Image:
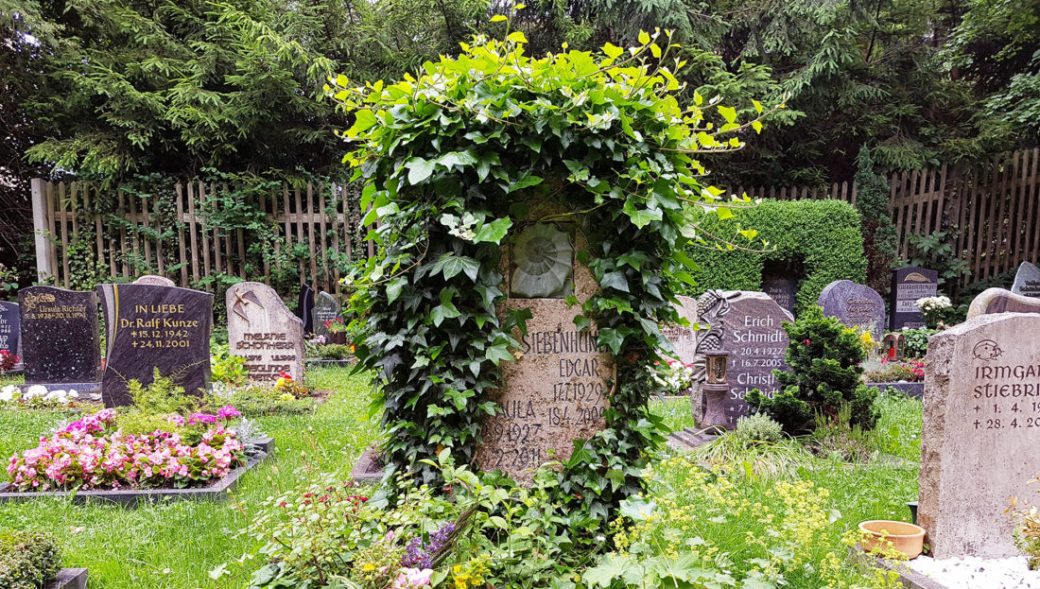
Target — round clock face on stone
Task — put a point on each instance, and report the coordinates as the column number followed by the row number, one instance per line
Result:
column 543, row 257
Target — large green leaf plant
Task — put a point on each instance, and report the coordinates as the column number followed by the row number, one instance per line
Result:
column 451, row 159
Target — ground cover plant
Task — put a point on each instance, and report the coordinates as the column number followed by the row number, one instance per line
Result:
column 28, row 560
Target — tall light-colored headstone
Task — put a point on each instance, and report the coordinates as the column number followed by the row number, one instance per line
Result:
column 684, row 337
column 155, row 280
column 998, row 300
column 981, row 431
column 265, row 332
column 557, row 390
column 1027, row 280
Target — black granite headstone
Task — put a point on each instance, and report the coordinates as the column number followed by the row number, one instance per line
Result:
column 908, row 285
column 305, row 306
column 781, row 289
column 10, row 330
column 59, row 333
column 152, row 327
column 326, row 308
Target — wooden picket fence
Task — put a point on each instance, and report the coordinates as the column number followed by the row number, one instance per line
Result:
column 992, row 207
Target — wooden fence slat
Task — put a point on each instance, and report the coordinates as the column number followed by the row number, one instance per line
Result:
column 323, row 241
column 52, row 208
column 1014, row 213
column 160, row 263
column 200, row 192
column 74, row 207
column 146, row 218
column 181, row 223
column 242, row 240
column 63, row 227
column 98, row 237
column 299, row 230
column 310, row 234
column 1033, row 190
column 334, row 194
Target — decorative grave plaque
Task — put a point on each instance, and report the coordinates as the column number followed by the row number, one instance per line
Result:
column 998, row 300
column 908, row 285
column 981, row 430
column 155, row 327
column 326, row 308
column 59, row 334
column 781, row 289
column 265, row 332
column 1027, row 280
column 304, row 306
column 10, row 328
column 155, row 280
column 557, row 390
column 751, row 332
column 854, row 305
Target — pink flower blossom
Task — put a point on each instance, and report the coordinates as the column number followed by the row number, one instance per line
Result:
column 228, row 412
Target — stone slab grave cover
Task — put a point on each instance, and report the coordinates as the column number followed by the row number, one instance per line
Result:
column 304, row 306
column 781, row 289
column 855, row 305
column 981, row 431
column 10, row 328
column 265, row 332
column 909, row 284
column 326, row 308
column 59, row 333
column 998, row 300
column 1027, row 280
column 155, row 280
column 153, row 327
column 557, row 390
column 749, row 327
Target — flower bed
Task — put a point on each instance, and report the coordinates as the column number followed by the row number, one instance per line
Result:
column 38, row 396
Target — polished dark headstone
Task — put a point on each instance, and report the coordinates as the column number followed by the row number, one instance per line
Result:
column 305, row 306
column 854, row 305
column 152, row 327
column 781, row 289
column 10, row 327
column 326, row 308
column 1027, row 280
column 59, row 333
column 908, row 285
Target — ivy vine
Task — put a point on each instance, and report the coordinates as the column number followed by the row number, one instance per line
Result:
column 450, row 161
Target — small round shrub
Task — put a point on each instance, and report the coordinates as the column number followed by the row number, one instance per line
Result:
column 759, row 427
column 28, row 560
column 917, row 342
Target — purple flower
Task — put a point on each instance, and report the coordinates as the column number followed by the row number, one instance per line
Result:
column 201, row 418
column 421, row 556
column 228, row 412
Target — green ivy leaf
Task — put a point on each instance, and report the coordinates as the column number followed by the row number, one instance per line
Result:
column 494, row 231
column 497, row 353
column 394, row 288
column 611, row 338
column 419, row 170
column 615, row 280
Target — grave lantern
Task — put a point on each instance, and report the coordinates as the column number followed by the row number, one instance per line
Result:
column 715, row 390
column 716, row 363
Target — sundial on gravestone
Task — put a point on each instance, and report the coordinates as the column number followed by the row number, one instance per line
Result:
column 543, row 259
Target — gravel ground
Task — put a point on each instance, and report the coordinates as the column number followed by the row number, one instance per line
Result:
column 978, row 573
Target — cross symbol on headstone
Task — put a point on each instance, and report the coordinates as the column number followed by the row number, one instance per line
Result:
column 977, row 422
column 977, row 408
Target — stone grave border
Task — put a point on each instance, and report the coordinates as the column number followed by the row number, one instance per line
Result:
column 910, row 389
column 328, row 362
column 69, row 579
column 215, row 491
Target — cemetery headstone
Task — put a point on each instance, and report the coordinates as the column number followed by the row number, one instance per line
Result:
column 59, row 333
column 155, row 327
column 265, row 332
column 155, row 280
column 557, row 390
column 781, row 289
column 304, row 306
column 981, row 408
column 1027, row 280
column 10, row 328
column 998, row 300
column 908, row 285
column 684, row 337
column 751, row 331
column 326, row 308
column 854, row 305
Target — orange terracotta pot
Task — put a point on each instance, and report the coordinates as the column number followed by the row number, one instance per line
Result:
column 880, row 534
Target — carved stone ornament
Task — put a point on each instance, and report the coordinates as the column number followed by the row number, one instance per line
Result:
column 543, row 257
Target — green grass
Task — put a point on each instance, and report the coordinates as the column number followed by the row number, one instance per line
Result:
column 677, row 412
column 175, row 545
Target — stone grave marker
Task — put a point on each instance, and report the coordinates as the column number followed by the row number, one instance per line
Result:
column 998, row 300
column 153, row 327
column 749, row 328
column 781, row 289
column 10, row 328
column 981, row 418
column 304, row 306
column 326, row 308
column 265, row 332
column 909, row 284
column 59, row 336
column 1027, row 280
column 557, row 389
column 855, row 305
column 682, row 337
column 155, row 280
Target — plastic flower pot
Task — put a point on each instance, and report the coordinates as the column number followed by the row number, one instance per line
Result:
column 880, row 535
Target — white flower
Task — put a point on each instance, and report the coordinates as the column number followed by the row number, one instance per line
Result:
column 462, row 228
column 8, row 393
column 35, row 391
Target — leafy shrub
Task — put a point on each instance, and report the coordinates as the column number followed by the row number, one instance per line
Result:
column 759, row 427
column 823, row 236
column 28, row 560
column 937, row 250
column 824, row 358
column 334, row 351
column 228, row 369
column 259, row 400
column 917, row 342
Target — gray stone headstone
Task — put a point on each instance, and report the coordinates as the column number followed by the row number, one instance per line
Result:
column 854, row 305
column 981, row 414
column 151, row 327
column 326, row 308
column 908, row 285
column 155, row 280
column 781, row 289
column 998, row 300
column 751, row 331
column 59, row 335
column 1027, row 280
column 684, row 337
column 10, row 328
column 265, row 332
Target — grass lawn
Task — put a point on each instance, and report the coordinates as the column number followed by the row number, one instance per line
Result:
column 175, row 545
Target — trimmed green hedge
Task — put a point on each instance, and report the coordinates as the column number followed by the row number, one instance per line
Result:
column 822, row 235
